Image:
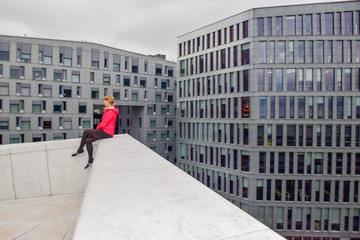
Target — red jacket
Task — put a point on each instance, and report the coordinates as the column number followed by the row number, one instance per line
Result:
column 108, row 120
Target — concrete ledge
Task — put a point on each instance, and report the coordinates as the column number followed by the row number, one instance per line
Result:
column 133, row 193
column 41, row 169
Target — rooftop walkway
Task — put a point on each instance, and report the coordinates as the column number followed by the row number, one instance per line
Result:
column 131, row 193
column 42, row 218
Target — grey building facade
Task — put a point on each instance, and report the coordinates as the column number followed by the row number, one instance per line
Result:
column 54, row 89
column 269, row 109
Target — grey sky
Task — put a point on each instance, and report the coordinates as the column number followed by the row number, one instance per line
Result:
column 142, row 26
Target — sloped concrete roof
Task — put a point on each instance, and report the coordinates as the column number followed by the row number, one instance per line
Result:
column 133, row 193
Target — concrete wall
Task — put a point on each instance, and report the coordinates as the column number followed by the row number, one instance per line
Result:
column 42, row 169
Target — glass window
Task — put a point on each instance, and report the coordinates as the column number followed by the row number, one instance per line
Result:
column 245, row 28
column 357, row 52
column 329, row 79
column 318, row 79
column 36, row 108
column 260, row 136
column 245, row 54
column 4, row 55
column 308, row 24
column 291, row 135
column 272, row 106
column 126, row 81
column 269, row 25
column 292, row 106
column 272, row 52
column 279, row 135
column 301, row 107
column 335, row 223
column 75, row 78
column 348, row 23
column 311, row 107
column 329, row 23
column 245, row 161
column 339, row 51
column 291, row 79
column 282, row 107
column 290, row 25
column 279, row 26
column 300, row 24
column 291, row 52
column 261, row 80
column 340, row 107
column 116, row 67
column 338, row 24
column 347, row 79
column 14, row 108
column 14, row 72
column 309, row 79
column 320, row 52
column 262, row 52
column 320, row 101
column 279, row 80
column 328, row 135
column 318, row 24
column 358, row 107
column 300, row 163
column 25, row 125
column 310, row 55
column 347, row 136
column 142, row 82
column 68, row 62
column 281, row 51
column 301, row 52
column 95, row 94
column 329, row 52
column 263, row 107
column 260, row 26
column 269, row 79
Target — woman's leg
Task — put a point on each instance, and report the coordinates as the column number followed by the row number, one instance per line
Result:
column 89, row 133
column 89, row 147
column 95, row 135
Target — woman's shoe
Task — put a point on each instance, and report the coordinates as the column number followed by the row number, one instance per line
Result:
column 77, row 154
column 87, row 165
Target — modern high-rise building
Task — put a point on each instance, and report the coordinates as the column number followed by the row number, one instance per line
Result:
column 54, row 89
column 269, row 110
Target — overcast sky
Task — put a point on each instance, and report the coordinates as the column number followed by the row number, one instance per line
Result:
column 141, row 26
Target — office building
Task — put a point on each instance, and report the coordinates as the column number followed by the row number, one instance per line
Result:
column 54, row 89
column 269, row 110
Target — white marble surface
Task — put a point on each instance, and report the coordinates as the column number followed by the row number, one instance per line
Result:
column 42, row 169
column 30, row 174
column 6, row 180
column 133, row 193
column 41, row 218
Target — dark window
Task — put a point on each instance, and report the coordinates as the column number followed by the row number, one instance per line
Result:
column 279, row 135
column 4, row 56
column 158, row 71
column 245, row 54
column 245, row 162
column 82, row 108
column 291, row 135
column 245, row 29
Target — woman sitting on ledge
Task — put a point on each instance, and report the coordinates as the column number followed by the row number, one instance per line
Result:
column 105, row 129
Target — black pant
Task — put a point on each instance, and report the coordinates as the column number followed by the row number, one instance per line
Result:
column 89, row 136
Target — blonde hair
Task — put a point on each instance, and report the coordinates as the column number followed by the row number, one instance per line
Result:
column 110, row 99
